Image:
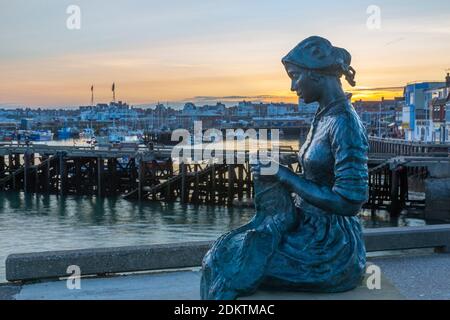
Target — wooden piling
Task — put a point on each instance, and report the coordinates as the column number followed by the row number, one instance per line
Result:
column 26, row 165
column 2, row 166
column 183, row 182
column 140, row 177
column 240, row 180
column 62, row 175
column 231, row 180
column 394, row 186
column 99, row 176
column 78, row 176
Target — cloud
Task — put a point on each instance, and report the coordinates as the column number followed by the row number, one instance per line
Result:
column 377, row 89
column 246, row 97
column 9, row 105
column 395, row 41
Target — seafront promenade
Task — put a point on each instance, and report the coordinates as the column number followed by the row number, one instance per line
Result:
column 414, row 263
column 421, row 275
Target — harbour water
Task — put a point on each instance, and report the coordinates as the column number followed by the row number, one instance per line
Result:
column 31, row 223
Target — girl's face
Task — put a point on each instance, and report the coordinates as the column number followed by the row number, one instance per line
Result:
column 302, row 83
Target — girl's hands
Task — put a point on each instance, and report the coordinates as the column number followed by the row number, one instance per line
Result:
column 258, row 174
column 280, row 174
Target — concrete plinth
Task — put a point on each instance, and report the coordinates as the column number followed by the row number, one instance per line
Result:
column 437, row 199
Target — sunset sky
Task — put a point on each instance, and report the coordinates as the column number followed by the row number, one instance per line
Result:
column 203, row 51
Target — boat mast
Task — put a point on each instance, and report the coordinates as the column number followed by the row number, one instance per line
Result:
column 92, row 105
column 114, row 91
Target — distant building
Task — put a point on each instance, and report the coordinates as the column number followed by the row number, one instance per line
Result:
column 281, row 109
column 437, row 100
column 210, row 115
column 26, row 124
column 417, row 121
column 306, row 111
column 104, row 112
column 189, row 109
column 382, row 118
column 213, row 110
column 248, row 109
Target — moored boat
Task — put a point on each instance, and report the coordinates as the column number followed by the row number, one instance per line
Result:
column 67, row 133
column 34, row 135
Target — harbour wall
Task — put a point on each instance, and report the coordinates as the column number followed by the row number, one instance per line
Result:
column 106, row 261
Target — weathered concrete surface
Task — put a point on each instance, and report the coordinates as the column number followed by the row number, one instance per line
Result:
column 387, row 292
column 437, row 199
column 7, row 292
column 439, row 170
column 420, row 277
column 104, row 260
column 411, row 276
column 180, row 285
column 395, row 238
column 144, row 258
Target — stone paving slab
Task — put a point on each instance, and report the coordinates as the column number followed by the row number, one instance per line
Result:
column 7, row 292
column 180, row 285
column 387, row 292
column 419, row 277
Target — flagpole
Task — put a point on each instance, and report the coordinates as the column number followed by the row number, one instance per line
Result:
column 114, row 92
column 92, row 95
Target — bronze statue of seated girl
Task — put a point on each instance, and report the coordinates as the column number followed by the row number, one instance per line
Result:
column 305, row 235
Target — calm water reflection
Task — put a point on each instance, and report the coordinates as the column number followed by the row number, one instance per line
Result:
column 31, row 223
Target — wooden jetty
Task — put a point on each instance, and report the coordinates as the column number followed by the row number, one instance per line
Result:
column 71, row 170
column 395, row 165
column 144, row 173
column 139, row 173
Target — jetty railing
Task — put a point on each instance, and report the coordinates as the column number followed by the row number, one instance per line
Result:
column 399, row 147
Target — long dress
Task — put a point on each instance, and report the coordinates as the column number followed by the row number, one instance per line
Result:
column 324, row 251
